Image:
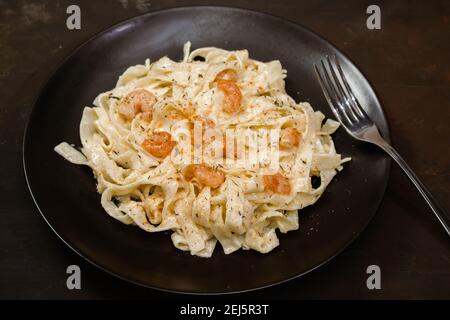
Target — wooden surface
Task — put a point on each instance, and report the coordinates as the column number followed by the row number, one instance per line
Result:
column 407, row 62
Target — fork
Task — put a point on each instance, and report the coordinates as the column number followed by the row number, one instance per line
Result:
column 358, row 124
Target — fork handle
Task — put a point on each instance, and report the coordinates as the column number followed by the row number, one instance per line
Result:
column 441, row 214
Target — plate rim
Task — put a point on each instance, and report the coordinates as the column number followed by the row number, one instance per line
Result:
column 51, row 75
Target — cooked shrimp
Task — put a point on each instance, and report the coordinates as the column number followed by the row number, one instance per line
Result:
column 160, row 144
column 277, row 183
column 136, row 101
column 232, row 96
column 205, row 175
column 227, row 74
column 289, row 138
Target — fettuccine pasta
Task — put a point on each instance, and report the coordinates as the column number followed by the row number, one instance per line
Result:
column 139, row 140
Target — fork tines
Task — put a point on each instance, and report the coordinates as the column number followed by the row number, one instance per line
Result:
column 338, row 93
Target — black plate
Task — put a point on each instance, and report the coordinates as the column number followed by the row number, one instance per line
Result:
column 66, row 196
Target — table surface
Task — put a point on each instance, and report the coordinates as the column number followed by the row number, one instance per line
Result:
column 407, row 64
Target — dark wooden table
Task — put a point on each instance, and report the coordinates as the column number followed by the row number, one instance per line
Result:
column 407, row 62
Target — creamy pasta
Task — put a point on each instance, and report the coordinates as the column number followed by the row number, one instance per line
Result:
column 140, row 141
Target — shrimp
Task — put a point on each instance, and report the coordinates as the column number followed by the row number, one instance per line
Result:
column 232, row 96
column 277, row 183
column 290, row 138
column 136, row 101
column 227, row 74
column 160, row 144
column 205, row 175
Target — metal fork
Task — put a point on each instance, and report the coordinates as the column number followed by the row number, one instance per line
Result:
column 358, row 124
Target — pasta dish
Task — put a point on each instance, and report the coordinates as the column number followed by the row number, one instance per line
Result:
column 210, row 147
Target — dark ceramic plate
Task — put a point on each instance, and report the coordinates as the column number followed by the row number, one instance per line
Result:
column 66, row 196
